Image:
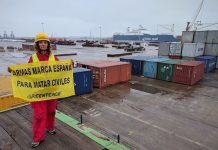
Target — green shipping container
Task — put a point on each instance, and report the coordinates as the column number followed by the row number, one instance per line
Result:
column 166, row 69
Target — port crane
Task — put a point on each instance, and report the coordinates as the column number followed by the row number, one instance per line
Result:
column 198, row 25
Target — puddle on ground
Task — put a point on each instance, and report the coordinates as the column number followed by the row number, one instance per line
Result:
column 148, row 89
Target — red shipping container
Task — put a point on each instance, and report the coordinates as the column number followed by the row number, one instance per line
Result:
column 106, row 73
column 188, row 72
column 175, row 56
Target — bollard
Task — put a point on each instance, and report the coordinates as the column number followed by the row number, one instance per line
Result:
column 81, row 119
column 118, row 138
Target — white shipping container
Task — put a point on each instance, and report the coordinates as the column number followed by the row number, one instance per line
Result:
column 193, row 49
column 164, row 49
column 175, row 48
column 187, row 36
column 212, row 37
column 200, row 37
column 211, row 49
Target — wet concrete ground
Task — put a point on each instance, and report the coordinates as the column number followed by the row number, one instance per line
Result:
column 147, row 113
column 153, row 114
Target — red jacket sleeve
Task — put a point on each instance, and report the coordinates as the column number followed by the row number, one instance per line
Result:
column 30, row 59
column 56, row 58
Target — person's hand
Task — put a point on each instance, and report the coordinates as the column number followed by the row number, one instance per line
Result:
column 72, row 62
column 9, row 69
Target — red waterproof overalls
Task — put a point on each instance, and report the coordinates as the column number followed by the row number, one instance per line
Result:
column 44, row 111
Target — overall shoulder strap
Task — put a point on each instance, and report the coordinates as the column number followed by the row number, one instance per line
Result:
column 35, row 57
column 51, row 57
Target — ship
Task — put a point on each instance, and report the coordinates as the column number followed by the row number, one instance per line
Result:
column 139, row 35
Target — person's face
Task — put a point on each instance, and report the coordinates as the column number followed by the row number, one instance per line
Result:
column 43, row 45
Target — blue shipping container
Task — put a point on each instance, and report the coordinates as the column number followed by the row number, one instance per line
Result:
column 210, row 62
column 137, row 63
column 82, row 81
column 150, row 67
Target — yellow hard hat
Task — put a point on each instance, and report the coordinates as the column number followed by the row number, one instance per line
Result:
column 41, row 37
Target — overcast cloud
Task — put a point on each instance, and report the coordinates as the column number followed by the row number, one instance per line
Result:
column 80, row 17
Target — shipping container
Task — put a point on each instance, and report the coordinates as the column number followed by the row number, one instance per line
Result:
column 82, row 81
column 193, row 49
column 106, row 73
column 210, row 62
column 166, row 69
column 211, row 49
column 164, row 49
column 212, row 37
column 187, row 36
column 216, row 62
column 200, row 37
column 150, row 67
column 7, row 100
column 188, row 58
column 137, row 63
column 188, row 72
column 175, row 49
column 175, row 57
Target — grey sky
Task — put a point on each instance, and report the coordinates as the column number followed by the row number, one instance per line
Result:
column 79, row 17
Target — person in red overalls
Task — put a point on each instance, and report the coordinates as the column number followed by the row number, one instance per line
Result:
column 44, row 111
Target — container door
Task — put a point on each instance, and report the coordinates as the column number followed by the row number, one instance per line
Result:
column 77, row 83
column 161, row 71
column 150, row 69
column 125, row 74
column 136, row 67
column 169, row 72
column 103, row 77
column 112, row 75
column 87, row 81
column 96, row 76
column 212, row 64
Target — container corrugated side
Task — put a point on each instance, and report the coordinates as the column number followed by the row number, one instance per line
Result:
column 164, row 48
column 166, row 69
column 82, row 81
column 200, row 36
column 210, row 62
column 108, row 73
column 189, row 72
column 193, row 49
column 216, row 62
column 137, row 63
column 211, row 49
column 212, row 37
column 150, row 67
column 187, row 36
column 175, row 49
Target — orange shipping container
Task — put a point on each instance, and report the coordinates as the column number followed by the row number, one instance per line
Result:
column 7, row 101
column 106, row 73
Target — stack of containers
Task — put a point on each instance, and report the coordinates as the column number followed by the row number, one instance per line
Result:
column 192, row 50
column 166, row 69
column 211, row 47
column 210, row 62
column 188, row 72
column 150, row 67
column 82, row 81
column 164, row 49
column 137, row 63
column 106, row 73
column 175, row 50
column 171, row 49
column 206, row 41
column 193, row 44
